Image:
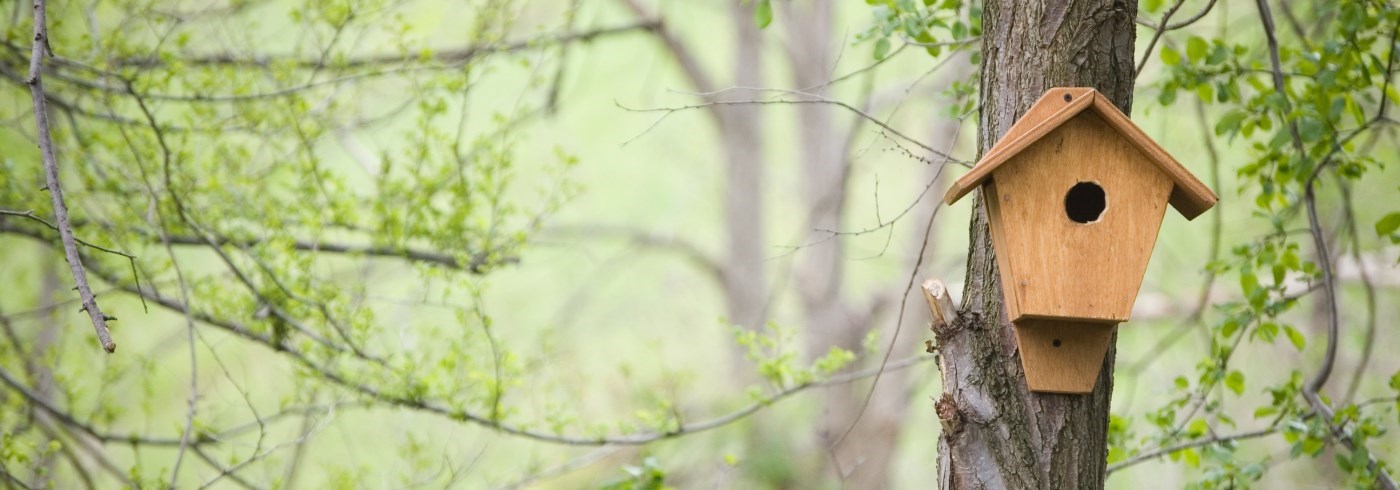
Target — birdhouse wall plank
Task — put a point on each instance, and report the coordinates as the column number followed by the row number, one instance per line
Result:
column 998, row 232
column 1062, row 356
column 1054, row 267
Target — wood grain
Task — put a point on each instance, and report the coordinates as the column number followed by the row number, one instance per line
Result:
column 1062, row 356
column 1189, row 196
column 1056, row 268
column 940, row 304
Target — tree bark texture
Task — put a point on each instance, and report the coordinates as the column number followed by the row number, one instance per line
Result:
column 997, row 434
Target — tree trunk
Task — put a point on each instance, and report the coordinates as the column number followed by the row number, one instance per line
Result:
column 740, row 127
column 997, row 434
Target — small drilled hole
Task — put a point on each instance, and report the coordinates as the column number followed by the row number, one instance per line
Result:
column 1068, row 98
column 1085, row 202
column 1056, row 342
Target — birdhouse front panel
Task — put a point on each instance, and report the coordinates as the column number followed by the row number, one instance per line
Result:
column 1075, row 217
column 1075, row 194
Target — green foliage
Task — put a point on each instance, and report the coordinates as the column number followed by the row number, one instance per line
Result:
column 1334, row 91
column 775, row 352
column 1389, row 227
column 647, row 476
column 762, row 13
column 930, row 24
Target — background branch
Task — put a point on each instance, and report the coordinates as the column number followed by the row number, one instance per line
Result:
column 51, row 177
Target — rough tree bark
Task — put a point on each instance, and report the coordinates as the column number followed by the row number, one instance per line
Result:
column 996, row 434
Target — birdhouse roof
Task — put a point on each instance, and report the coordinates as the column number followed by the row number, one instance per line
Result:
column 1189, row 196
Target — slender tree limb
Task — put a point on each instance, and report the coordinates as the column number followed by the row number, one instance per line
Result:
column 690, row 251
column 954, row 43
column 1156, row 36
column 898, row 325
column 30, row 215
column 1368, row 345
column 65, row 228
column 1312, row 390
column 689, row 64
column 477, row 263
column 667, row 111
column 1179, row 25
column 1205, row 441
column 582, row 461
column 454, row 55
column 68, row 420
column 225, row 471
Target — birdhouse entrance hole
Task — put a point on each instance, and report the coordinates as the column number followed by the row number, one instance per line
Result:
column 1085, row 202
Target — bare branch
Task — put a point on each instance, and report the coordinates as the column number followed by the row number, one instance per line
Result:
column 1146, row 55
column 477, row 263
column 898, row 325
column 456, row 55
column 667, row 111
column 690, row 251
column 954, row 43
column 65, row 228
column 1205, row 441
column 679, row 50
column 51, row 226
column 573, row 464
column 1179, row 25
column 67, row 419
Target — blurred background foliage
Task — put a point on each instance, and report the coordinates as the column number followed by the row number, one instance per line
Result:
column 620, row 244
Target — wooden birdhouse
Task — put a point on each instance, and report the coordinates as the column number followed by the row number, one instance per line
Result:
column 1075, row 194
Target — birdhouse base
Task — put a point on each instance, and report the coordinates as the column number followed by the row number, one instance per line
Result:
column 1062, row 356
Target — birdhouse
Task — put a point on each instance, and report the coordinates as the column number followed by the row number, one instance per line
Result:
column 1075, row 194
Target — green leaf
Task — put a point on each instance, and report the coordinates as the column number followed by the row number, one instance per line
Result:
column 1170, row 56
column 1198, row 427
column 1167, row 96
column 1387, row 225
column 882, row 48
column 1196, row 48
column 1296, row 337
column 1248, row 282
column 1235, row 382
column 1230, row 123
column 1192, row 457
column 763, row 13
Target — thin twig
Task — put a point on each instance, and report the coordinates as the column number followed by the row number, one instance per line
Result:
column 1172, row 27
column 456, row 55
column 1368, row 346
column 1156, row 36
column 821, row 100
column 573, row 464
column 899, row 324
column 65, row 228
column 85, row 243
column 1205, row 441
